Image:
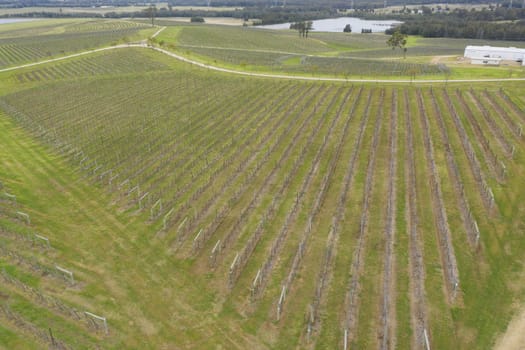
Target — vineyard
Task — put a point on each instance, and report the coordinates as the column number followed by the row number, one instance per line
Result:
column 282, row 52
column 166, row 205
column 109, row 63
column 326, row 54
column 293, row 63
column 26, row 44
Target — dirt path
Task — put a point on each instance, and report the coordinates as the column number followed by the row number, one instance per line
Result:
column 299, row 77
column 514, row 336
column 67, row 57
column 437, row 59
column 158, row 32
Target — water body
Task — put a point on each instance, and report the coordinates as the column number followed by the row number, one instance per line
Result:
column 338, row 24
column 15, row 20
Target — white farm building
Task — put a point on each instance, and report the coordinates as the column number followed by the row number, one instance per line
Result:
column 491, row 54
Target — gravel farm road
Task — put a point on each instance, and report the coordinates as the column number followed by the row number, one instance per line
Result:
column 514, row 336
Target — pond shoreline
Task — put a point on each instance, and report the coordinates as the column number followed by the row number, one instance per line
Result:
column 336, row 25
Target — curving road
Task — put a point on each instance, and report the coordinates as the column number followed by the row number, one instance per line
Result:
column 253, row 74
column 300, row 77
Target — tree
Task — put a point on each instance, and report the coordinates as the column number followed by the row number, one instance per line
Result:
column 397, row 40
column 151, row 12
column 299, row 26
column 308, row 27
column 303, row 27
column 197, row 19
column 348, row 29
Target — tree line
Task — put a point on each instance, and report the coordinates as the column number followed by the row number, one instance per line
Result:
column 496, row 23
column 468, row 30
column 303, row 27
column 266, row 15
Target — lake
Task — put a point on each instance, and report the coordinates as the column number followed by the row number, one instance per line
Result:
column 15, row 20
column 337, row 25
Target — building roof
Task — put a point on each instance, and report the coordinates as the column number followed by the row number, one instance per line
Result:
column 496, row 49
column 486, row 58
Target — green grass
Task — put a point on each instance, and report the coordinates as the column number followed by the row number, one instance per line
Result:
column 10, row 339
column 242, row 38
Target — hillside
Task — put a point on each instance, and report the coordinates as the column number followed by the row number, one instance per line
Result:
column 200, row 209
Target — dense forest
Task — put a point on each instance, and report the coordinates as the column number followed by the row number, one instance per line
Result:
column 495, row 24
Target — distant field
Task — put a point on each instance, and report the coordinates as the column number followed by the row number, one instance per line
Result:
column 102, row 10
column 433, row 47
column 112, row 63
column 208, row 20
column 325, row 54
column 198, row 209
column 469, row 7
column 31, row 41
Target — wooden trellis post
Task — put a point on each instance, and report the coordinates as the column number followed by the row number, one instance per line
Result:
column 166, row 218
column 280, row 303
column 427, row 342
column 25, row 216
column 214, row 252
column 67, row 273
column 10, row 196
column 196, row 242
column 45, row 240
column 158, row 204
column 100, row 318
